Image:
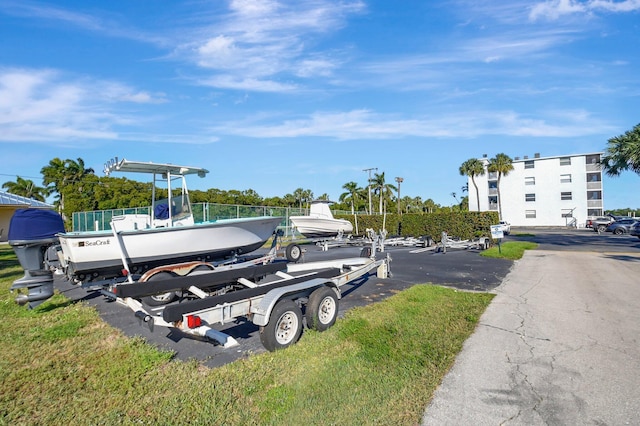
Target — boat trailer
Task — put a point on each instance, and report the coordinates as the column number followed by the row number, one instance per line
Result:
column 278, row 297
column 272, row 294
column 481, row 243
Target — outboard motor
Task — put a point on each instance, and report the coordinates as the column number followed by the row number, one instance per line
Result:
column 31, row 233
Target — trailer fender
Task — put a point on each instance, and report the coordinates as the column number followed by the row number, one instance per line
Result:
column 262, row 312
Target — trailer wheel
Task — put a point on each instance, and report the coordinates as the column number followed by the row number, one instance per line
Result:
column 284, row 327
column 162, row 298
column 322, row 309
column 365, row 252
column 293, row 253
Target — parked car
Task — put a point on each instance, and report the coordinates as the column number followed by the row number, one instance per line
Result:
column 506, row 227
column 599, row 224
column 635, row 229
column 621, row 226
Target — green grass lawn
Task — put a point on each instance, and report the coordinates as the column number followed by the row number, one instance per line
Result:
column 61, row 364
column 512, row 250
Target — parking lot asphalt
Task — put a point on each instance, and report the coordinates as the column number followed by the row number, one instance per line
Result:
column 461, row 269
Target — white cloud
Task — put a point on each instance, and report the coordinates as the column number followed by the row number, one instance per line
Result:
column 248, row 84
column 266, row 41
column 366, row 125
column 554, row 9
column 44, row 105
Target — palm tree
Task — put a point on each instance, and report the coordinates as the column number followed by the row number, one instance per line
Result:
column 623, row 153
column 26, row 188
column 472, row 168
column 351, row 195
column 501, row 164
column 60, row 173
column 303, row 196
column 381, row 188
column 430, row 205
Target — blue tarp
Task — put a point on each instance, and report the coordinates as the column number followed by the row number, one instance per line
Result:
column 161, row 211
column 34, row 224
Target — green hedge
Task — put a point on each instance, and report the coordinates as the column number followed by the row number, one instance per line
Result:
column 465, row 225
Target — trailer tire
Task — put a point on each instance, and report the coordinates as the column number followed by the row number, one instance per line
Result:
column 293, row 253
column 284, row 326
column 322, row 308
column 162, row 298
column 365, row 252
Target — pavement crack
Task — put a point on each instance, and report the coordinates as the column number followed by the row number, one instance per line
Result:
column 515, row 332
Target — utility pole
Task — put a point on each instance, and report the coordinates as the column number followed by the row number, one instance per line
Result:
column 399, row 180
column 369, row 185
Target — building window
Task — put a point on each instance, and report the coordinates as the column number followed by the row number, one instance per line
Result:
column 565, row 161
column 594, row 195
column 530, row 214
column 593, row 159
column 594, row 177
column 529, row 180
column 493, row 203
column 565, row 178
column 529, row 164
column 529, row 197
column 566, row 213
column 566, row 196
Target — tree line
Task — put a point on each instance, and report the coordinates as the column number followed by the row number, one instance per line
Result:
column 76, row 187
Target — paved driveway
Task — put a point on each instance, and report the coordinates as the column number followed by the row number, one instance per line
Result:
column 559, row 343
column 583, row 239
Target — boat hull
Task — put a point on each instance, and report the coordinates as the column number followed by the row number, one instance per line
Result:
column 98, row 255
column 312, row 227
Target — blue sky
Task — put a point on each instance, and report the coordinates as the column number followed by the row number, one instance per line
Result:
column 278, row 95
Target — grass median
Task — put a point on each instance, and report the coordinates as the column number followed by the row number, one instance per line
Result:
column 380, row 364
column 512, row 250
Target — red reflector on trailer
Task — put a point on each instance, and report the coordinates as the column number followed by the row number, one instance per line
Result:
column 125, row 272
column 193, row 321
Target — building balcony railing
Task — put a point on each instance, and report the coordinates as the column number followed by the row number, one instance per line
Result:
column 596, row 167
column 594, row 203
column 493, row 207
column 493, row 191
column 492, row 176
column 594, row 185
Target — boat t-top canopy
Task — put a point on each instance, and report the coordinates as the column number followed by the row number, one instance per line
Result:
column 126, row 166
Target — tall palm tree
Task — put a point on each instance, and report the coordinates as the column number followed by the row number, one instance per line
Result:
column 26, row 188
column 501, row 164
column 303, row 196
column 60, row 173
column 351, row 195
column 472, row 168
column 382, row 188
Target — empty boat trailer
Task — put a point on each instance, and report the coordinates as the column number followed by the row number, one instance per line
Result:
column 273, row 296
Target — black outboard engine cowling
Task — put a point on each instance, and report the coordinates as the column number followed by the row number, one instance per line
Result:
column 31, row 233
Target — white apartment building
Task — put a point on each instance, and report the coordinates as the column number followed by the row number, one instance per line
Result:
column 543, row 191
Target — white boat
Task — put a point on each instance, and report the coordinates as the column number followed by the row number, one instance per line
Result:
column 320, row 222
column 168, row 235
